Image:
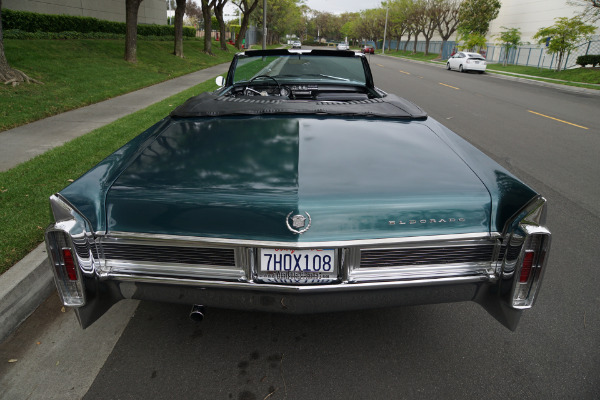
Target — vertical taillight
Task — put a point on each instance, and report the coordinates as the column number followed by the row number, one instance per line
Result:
column 526, row 266
column 65, row 268
column 69, row 264
column 530, row 266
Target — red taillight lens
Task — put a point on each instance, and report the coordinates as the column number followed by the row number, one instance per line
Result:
column 69, row 264
column 527, row 264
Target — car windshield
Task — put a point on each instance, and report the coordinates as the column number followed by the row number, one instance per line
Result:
column 301, row 67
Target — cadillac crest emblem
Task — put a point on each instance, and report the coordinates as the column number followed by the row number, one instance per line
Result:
column 299, row 225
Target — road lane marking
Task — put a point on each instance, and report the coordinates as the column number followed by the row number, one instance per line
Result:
column 556, row 119
column 404, row 72
column 449, row 86
column 380, row 65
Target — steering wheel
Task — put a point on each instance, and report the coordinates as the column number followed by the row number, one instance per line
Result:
column 267, row 76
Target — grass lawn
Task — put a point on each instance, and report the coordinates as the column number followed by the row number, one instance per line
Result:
column 24, row 190
column 583, row 75
column 270, row 46
column 77, row 73
column 409, row 54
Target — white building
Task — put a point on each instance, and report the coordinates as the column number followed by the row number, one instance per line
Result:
column 150, row 11
column 531, row 15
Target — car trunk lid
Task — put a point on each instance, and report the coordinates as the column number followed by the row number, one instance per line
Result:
column 247, row 177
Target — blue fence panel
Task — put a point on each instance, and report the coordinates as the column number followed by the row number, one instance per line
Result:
column 527, row 55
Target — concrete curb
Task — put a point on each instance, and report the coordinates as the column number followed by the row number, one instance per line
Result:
column 23, row 288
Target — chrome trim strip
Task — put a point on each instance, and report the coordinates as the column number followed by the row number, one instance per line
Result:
column 297, row 289
column 173, row 240
column 184, row 270
column 422, row 272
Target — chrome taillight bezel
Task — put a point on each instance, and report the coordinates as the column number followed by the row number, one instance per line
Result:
column 527, row 231
column 69, row 224
column 537, row 240
column 71, row 292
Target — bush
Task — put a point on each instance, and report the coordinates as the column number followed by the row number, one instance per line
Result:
column 22, row 35
column 33, row 22
column 593, row 59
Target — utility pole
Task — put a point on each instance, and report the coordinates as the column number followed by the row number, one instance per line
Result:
column 385, row 29
column 264, row 42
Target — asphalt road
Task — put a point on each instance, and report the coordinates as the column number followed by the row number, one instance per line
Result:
column 439, row 351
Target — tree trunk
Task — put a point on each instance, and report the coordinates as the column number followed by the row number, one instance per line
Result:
column 206, row 6
column 222, row 28
column 416, row 42
column 444, row 41
column 407, row 40
column 179, row 11
column 559, row 62
column 8, row 74
column 131, row 17
column 244, row 26
column 427, row 40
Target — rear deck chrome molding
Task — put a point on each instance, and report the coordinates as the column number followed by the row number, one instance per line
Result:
column 173, row 240
column 270, row 287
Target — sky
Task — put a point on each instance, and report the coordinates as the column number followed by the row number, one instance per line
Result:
column 340, row 6
column 332, row 6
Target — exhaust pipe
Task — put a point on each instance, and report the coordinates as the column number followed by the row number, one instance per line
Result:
column 197, row 313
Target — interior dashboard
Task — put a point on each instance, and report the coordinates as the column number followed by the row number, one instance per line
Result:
column 300, row 92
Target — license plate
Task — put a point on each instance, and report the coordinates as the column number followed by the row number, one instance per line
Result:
column 476, row 62
column 297, row 266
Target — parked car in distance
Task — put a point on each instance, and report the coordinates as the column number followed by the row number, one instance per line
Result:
column 466, row 61
column 296, row 45
column 343, row 46
column 368, row 49
column 298, row 187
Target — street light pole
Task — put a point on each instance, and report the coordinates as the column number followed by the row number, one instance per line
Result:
column 385, row 29
column 264, row 41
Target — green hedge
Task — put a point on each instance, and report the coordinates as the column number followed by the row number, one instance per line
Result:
column 22, row 35
column 34, row 22
column 593, row 59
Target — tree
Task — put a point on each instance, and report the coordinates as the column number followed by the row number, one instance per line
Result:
column 8, row 74
column 591, row 9
column 179, row 12
column 564, row 36
column 194, row 13
column 472, row 41
column 246, row 10
column 207, row 5
column 475, row 16
column 283, row 17
column 425, row 20
column 131, row 17
column 447, row 12
column 510, row 38
column 218, row 8
column 397, row 20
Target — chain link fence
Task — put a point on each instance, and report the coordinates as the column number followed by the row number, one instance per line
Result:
column 528, row 55
column 534, row 56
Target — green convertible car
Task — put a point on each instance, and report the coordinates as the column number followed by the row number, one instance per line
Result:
column 298, row 187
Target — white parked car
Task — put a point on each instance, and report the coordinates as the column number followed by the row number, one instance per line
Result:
column 343, row 46
column 464, row 61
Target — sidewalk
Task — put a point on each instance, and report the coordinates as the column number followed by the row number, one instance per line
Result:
column 27, row 141
column 27, row 284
